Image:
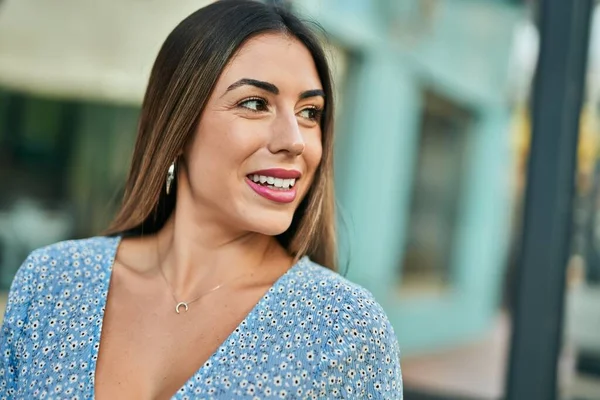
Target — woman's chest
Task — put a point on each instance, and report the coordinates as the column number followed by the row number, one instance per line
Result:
column 149, row 351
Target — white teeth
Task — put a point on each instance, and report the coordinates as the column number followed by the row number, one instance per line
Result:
column 271, row 180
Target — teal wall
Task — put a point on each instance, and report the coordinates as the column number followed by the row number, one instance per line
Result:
column 463, row 54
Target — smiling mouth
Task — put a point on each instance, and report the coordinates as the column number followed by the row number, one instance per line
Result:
column 272, row 182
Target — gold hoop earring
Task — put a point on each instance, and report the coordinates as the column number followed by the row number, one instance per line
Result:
column 170, row 177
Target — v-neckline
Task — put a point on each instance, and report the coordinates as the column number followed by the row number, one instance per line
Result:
column 108, row 266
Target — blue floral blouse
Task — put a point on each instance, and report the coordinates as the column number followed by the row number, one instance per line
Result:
column 314, row 335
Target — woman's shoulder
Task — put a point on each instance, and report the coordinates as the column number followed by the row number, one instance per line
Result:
column 97, row 246
column 348, row 301
column 66, row 270
column 65, row 260
column 339, row 287
column 357, row 342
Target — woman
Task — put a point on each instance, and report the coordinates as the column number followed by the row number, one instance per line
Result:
column 210, row 284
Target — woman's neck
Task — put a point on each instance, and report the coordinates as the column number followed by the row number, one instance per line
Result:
column 196, row 258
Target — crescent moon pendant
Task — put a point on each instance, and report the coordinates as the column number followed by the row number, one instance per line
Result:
column 182, row 304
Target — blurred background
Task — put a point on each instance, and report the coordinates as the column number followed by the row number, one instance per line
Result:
column 433, row 138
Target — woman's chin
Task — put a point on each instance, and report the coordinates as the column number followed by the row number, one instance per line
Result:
column 272, row 226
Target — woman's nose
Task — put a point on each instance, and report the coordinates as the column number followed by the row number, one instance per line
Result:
column 286, row 136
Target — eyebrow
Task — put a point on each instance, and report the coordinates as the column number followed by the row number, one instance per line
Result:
column 312, row 93
column 269, row 87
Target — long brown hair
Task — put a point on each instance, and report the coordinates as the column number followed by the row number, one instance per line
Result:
column 182, row 80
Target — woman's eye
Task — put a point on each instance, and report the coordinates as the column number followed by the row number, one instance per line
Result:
column 254, row 105
column 311, row 113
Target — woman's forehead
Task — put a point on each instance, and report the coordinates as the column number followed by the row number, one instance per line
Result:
column 273, row 57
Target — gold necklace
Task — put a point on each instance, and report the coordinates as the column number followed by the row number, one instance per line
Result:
column 186, row 304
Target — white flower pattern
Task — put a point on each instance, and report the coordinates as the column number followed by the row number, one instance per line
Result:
column 314, row 335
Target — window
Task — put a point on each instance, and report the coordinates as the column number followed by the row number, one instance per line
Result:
column 437, row 191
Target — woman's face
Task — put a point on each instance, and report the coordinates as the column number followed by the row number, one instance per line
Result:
column 258, row 141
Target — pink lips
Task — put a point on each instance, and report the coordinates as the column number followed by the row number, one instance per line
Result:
column 276, row 195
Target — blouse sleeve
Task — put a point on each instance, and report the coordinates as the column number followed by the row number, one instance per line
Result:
column 364, row 359
column 15, row 317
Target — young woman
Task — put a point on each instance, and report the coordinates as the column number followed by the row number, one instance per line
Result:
column 216, row 278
